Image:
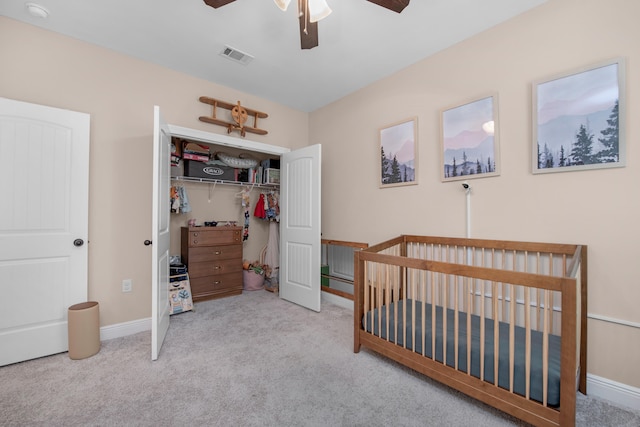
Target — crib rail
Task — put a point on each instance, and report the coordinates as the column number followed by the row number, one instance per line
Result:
column 490, row 298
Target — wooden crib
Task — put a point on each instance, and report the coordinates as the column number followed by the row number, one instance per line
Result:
column 440, row 305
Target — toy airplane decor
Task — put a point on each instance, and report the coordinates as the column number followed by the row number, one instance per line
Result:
column 239, row 114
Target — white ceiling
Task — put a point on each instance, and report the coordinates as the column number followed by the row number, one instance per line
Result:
column 359, row 42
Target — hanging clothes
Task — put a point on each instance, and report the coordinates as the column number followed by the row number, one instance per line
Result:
column 259, row 211
column 185, row 207
column 272, row 254
column 268, row 206
column 179, row 200
column 246, row 202
column 174, row 199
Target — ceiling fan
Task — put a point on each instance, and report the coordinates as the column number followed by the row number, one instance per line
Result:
column 311, row 11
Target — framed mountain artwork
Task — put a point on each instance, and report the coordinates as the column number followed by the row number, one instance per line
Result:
column 399, row 154
column 578, row 119
column 469, row 139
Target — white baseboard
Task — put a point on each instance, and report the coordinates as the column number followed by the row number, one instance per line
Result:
column 615, row 392
column 123, row 329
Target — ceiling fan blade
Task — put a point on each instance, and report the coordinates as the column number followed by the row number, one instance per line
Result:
column 218, row 3
column 308, row 32
column 395, row 5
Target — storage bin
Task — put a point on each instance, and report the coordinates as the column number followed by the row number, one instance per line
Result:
column 252, row 281
column 196, row 169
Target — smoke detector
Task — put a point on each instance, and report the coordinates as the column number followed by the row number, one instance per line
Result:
column 37, row 10
column 236, row 55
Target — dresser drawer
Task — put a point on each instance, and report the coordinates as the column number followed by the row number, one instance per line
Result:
column 210, row 268
column 220, row 236
column 214, row 253
column 209, row 285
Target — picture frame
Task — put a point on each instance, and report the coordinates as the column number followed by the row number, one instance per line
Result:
column 470, row 139
column 579, row 119
column 398, row 154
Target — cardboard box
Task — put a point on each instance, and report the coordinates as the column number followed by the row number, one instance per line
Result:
column 195, row 169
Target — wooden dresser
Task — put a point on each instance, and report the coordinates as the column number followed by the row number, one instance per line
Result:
column 213, row 256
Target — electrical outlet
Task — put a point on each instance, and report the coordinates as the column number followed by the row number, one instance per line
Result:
column 127, row 285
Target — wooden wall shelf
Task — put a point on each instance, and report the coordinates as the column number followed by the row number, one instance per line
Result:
column 239, row 114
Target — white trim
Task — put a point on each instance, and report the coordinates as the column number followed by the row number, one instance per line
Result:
column 613, row 320
column 123, row 329
column 618, row 393
column 336, row 300
column 226, row 140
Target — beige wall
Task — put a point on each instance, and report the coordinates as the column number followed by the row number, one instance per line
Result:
column 599, row 208
column 119, row 92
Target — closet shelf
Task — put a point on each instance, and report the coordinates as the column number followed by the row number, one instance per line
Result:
column 220, row 181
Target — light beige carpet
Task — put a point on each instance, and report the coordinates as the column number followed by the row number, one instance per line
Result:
column 250, row 360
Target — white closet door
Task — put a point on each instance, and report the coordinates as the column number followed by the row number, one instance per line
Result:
column 300, row 227
column 160, row 242
column 43, row 226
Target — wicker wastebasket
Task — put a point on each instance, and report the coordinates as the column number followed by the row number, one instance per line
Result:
column 84, row 329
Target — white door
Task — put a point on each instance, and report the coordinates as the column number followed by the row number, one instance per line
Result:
column 160, row 239
column 300, row 227
column 43, row 226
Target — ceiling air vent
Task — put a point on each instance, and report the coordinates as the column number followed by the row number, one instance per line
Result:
column 236, row 55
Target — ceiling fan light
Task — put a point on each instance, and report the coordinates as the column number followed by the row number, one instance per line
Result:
column 318, row 9
column 282, row 4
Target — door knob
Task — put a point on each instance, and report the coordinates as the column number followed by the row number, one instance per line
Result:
column 78, row 242
column 147, row 242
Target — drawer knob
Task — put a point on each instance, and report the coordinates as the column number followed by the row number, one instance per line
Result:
column 217, row 282
column 218, row 252
column 195, row 242
column 195, row 234
column 217, row 267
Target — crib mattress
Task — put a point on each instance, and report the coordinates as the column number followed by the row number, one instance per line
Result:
column 414, row 341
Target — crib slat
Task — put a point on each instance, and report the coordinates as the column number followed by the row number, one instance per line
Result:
column 552, row 302
column 512, row 330
column 424, row 297
column 527, row 346
column 538, row 296
column 378, row 302
column 496, row 333
column 482, row 330
column 469, row 291
column 444, row 312
column 433, row 314
column 402, row 285
column 414, row 290
column 366, row 296
column 545, row 348
column 456, row 321
column 388, row 291
column 503, row 291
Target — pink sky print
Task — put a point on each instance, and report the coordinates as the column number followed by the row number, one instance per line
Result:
column 462, row 126
column 465, row 139
column 398, row 141
column 578, row 94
